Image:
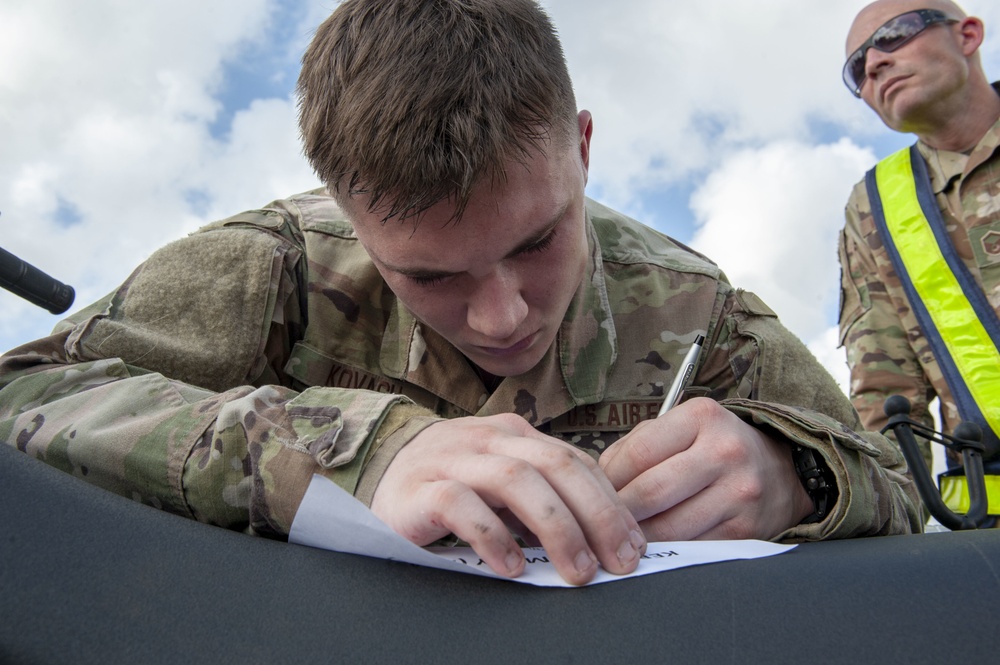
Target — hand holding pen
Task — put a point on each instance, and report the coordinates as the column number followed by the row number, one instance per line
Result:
column 700, row 472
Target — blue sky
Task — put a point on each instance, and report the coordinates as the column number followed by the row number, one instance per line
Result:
column 723, row 123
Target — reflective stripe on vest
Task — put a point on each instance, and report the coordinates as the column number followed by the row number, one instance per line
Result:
column 955, row 493
column 951, row 308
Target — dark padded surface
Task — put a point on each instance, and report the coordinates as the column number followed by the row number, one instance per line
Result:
column 89, row 577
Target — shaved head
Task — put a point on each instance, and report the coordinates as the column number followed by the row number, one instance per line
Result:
column 874, row 15
column 930, row 81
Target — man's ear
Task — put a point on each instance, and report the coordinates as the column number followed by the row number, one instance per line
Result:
column 971, row 32
column 586, row 122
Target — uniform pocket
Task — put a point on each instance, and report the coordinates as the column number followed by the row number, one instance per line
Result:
column 855, row 298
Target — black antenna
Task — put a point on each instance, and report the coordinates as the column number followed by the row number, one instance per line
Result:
column 25, row 280
column 967, row 441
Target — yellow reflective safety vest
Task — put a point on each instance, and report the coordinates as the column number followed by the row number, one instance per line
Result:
column 960, row 325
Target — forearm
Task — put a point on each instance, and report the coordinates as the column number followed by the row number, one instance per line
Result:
column 882, row 364
column 874, row 497
column 795, row 396
column 879, row 348
column 241, row 459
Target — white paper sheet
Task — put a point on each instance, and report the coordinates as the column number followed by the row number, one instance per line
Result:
column 332, row 519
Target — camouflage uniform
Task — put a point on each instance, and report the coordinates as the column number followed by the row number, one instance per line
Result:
column 886, row 350
column 237, row 362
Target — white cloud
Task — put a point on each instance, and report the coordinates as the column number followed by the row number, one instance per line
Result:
column 746, row 101
column 263, row 156
column 106, row 116
column 673, row 86
column 770, row 218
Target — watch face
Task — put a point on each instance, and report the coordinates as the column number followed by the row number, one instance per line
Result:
column 816, row 479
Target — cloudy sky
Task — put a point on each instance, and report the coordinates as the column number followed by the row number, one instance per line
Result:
column 124, row 125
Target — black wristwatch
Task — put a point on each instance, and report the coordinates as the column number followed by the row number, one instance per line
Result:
column 817, row 479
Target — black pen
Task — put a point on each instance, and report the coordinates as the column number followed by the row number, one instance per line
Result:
column 683, row 377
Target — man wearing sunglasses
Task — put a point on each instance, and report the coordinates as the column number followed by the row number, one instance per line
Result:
column 920, row 251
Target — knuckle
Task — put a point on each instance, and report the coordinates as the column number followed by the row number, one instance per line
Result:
column 560, row 525
column 515, row 469
column 649, row 489
column 731, row 451
column 705, row 409
column 413, row 533
column 584, row 458
column 748, row 493
column 510, row 421
column 563, row 458
column 444, row 493
column 642, row 453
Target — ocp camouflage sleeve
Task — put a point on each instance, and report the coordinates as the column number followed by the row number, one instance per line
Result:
column 178, row 399
column 879, row 342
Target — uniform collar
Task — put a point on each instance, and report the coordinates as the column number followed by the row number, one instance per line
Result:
column 946, row 166
column 573, row 371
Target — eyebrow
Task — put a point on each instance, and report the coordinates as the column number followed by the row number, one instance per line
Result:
column 420, row 273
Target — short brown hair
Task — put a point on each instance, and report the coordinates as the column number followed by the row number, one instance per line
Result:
column 414, row 101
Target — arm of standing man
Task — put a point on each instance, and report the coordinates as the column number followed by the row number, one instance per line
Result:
column 880, row 354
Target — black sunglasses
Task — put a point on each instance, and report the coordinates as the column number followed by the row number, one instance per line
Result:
column 893, row 34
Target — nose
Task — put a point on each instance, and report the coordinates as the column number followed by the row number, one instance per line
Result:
column 496, row 307
column 876, row 60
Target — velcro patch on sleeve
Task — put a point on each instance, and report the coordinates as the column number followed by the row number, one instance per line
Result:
column 195, row 311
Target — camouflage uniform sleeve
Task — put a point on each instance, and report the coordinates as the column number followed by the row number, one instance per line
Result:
column 780, row 386
column 881, row 360
column 169, row 391
column 880, row 357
